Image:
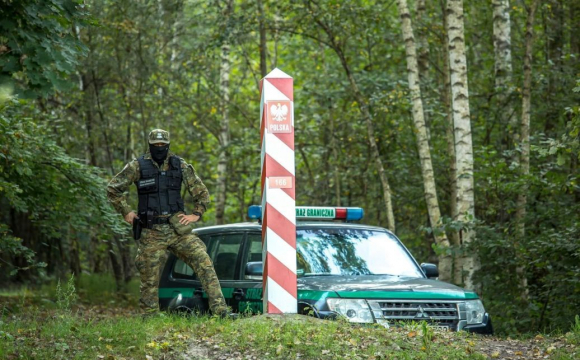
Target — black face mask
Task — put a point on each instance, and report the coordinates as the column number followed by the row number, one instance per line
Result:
column 159, row 153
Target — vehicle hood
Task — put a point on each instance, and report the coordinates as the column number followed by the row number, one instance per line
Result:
column 384, row 287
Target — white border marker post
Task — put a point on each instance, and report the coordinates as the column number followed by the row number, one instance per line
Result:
column 278, row 193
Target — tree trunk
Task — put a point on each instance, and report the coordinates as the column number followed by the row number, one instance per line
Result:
column 74, row 251
column 176, row 28
column 450, row 139
column 422, row 43
column 224, row 135
column 88, row 103
column 525, row 147
column 334, row 149
column 422, row 140
column 575, row 19
column 555, row 50
column 422, row 48
column 462, row 132
column 117, row 270
column 503, row 68
column 263, row 40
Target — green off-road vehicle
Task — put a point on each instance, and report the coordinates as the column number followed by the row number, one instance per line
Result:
column 361, row 272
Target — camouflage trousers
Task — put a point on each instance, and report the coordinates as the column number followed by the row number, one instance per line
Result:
column 189, row 248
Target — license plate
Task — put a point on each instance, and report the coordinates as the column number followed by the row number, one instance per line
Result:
column 440, row 328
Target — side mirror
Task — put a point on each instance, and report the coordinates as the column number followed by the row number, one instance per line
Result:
column 430, row 270
column 254, row 270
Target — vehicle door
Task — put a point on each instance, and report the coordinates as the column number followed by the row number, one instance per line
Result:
column 247, row 296
column 224, row 250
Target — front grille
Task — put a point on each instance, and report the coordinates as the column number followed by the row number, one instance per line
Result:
column 433, row 312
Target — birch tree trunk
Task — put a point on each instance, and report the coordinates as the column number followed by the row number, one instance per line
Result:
column 462, row 132
column 422, row 140
column 450, row 139
column 503, row 67
column 525, row 145
column 224, row 135
column 422, row 49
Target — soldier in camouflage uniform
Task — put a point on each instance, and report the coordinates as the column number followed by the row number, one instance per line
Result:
column 158, row 176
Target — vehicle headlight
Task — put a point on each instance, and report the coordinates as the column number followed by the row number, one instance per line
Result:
column 355, row 310
column 474, row 311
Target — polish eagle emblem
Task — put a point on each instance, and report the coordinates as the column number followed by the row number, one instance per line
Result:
column 278, row 112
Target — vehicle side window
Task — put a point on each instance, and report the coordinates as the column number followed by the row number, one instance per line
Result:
column 224, row 254
column 255, row 250
column 183, row 271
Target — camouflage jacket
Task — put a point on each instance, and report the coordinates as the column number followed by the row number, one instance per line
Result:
column 130, row 174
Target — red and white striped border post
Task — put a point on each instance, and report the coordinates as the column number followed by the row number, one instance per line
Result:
column 278, row 193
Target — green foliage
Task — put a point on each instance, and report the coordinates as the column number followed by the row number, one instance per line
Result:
column 550, row 252
column 427, row 335
column 12, row 246
column 574, row 335
column 66, row 296
column 39, row 179
column 38, row 44
column 567, row 147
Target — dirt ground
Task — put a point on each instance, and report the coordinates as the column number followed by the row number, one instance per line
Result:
column 538, row 347
column 493, row 348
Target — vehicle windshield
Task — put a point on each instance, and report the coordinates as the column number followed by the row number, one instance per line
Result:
column 336, row 251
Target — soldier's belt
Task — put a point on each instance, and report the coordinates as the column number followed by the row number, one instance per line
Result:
column 161, row 220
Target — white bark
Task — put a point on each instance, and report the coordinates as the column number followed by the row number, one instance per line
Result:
column 503, row 65
column 224, row 135
column 450, row 139
column 525, row 144
column 422, row 140
column 462, row 132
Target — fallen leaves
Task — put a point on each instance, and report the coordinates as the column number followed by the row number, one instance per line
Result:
column 258, row 338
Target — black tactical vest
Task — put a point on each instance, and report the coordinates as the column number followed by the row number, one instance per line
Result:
column 159, row 191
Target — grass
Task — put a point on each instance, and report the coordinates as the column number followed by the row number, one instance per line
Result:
column 70, row 336
column 101, row 325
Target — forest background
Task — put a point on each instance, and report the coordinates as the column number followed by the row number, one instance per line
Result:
column 83, row 82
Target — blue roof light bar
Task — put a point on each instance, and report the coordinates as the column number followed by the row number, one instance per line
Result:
column 316, row 213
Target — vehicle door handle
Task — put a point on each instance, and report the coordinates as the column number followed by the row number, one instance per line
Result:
column 198, row 293
column 239, row 294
